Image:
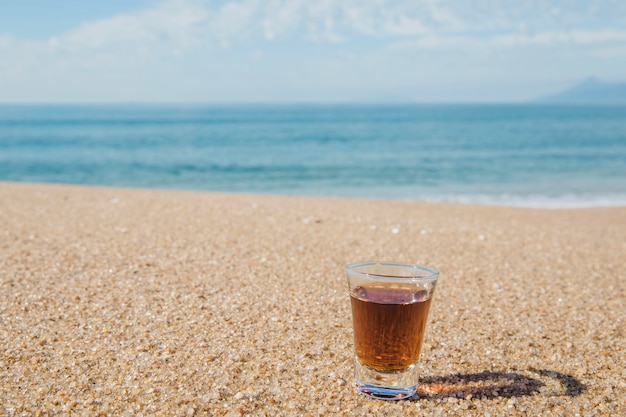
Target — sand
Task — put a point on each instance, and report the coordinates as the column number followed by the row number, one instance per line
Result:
column 144, row 302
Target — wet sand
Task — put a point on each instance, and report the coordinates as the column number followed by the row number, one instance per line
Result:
column 147, row 302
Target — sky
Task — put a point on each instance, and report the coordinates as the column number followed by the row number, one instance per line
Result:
column 71, row 51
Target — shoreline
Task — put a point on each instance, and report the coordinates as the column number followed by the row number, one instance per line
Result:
column 539, row 202
column 164, row 302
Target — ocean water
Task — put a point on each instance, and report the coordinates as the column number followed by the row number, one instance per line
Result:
column 518, row 154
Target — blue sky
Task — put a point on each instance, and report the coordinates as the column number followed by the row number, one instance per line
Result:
column 305, row 51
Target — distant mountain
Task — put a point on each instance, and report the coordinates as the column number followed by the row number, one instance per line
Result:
column 591, row 91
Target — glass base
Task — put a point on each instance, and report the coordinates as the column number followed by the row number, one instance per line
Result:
column 385, row 385
column 386, row 393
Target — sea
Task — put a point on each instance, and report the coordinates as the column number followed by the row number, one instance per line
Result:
column 531, row 155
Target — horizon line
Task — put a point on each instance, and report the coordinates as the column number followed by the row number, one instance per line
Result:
column 311, row 103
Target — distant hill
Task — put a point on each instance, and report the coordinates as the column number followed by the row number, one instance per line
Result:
column 591, row 91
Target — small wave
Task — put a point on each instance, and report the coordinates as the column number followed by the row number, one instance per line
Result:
column 535, row 200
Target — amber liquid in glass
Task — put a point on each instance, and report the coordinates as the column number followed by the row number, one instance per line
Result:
column 389, row 325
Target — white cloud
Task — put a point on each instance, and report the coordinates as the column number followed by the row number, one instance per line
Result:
column 6, row 41
column 184, row 44
column 574, row 37
column 172, row 24
column 180, row 25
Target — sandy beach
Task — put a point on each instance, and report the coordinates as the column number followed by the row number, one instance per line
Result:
column 147, row 302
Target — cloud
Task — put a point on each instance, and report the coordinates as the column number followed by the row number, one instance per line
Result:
column 178, row 26
column 172, row 24
column 202, row 45
column 6, row 41
column 574, row 38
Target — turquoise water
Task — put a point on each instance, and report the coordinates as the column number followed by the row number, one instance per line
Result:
column 528, row 155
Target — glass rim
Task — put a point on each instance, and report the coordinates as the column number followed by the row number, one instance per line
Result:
column 432, row 274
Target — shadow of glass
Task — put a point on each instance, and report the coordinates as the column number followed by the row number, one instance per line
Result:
column 572, row 386
column 492, row 384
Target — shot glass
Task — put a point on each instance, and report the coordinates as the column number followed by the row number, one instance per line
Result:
column 390, row 304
